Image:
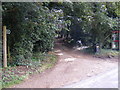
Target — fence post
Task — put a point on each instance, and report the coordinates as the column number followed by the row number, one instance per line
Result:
column 4, row 47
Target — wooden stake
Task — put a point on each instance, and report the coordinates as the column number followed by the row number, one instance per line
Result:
column 4, row 47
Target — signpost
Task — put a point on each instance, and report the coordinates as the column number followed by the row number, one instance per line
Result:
column 5, row 32
column 115, row 36
column 4, row 47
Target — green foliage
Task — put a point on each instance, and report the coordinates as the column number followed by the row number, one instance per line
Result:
column 0, row 52
column 102, row 23
column 91, row 22
column 117, row 11
column 32, row 29
column 10, row 77
column 16, row 74
column 108, row 53
column 0, row 48
column 33, row 25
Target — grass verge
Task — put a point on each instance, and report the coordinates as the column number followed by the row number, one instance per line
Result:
column 104, row 53
column 107, row 53
column 15, row 75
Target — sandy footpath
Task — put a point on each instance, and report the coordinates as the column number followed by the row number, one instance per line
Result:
column 71, row 67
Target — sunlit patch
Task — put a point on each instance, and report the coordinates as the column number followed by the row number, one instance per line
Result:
column 69, row 59
column 60, row 54
column 58, row 51
column 75, row 69
column 80, row 48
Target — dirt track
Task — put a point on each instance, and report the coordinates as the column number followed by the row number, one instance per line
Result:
column 71, row 67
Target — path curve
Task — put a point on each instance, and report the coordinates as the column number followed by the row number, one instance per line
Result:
column 71, row 67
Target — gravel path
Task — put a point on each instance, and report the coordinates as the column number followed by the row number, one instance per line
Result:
column 71, row 67
column 108, row 79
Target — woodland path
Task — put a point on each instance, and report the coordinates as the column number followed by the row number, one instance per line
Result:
column 71, row 67
column 107, row 79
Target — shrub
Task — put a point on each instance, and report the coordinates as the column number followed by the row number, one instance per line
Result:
column 32, row 29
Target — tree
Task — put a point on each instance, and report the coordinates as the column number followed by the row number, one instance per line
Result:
column 34, row 25
column 32, row 28
column 91, row 22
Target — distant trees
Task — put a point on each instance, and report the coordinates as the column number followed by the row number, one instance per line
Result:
column 92, row 23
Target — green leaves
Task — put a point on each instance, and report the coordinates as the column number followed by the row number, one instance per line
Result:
column 33, row 27
column 33, row 24
column 95, row 19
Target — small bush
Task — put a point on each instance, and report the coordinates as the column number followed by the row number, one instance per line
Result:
column 16, row 74
column 107, row 53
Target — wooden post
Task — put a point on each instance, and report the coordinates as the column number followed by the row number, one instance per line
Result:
column 4, row 47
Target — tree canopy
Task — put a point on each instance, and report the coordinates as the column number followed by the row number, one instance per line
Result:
column 33, row 25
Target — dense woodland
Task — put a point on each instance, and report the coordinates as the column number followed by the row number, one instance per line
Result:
column 34, row 26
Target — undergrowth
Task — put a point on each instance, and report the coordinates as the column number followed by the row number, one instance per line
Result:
column 107, row 53
column 103, row 53
column 16, row 74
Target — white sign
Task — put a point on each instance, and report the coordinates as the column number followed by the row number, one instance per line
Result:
column 8, row 31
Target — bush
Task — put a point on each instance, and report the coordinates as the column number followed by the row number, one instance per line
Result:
column 107, row 53
column 32, row 30
column 0, row 52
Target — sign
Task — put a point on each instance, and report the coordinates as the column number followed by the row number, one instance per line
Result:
column 8, row 31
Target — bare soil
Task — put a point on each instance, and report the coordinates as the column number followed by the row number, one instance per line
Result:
column 72, row 66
